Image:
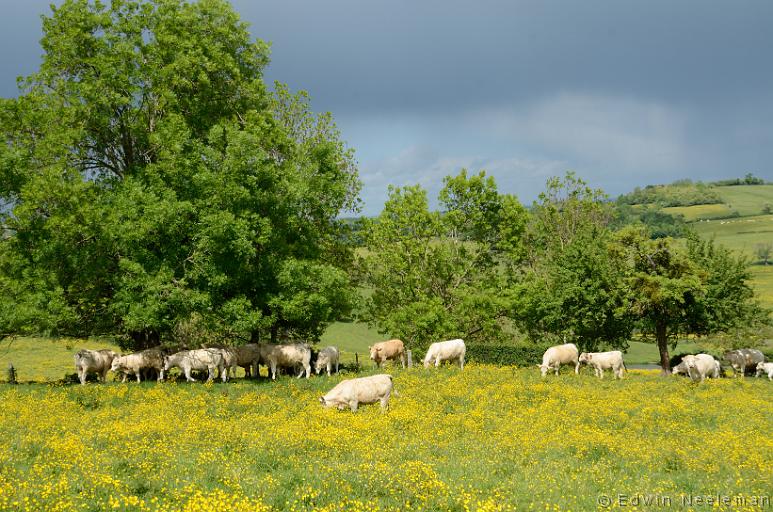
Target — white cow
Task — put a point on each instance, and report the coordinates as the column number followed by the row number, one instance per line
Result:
column 293, row 356
column 327, row 358
column 230, row 361
column 555, row 356
column 763, row 368
column 200, row 359
column 365, row 390
column 135, row 363
column 451, row 350
column 681, row 368
column 601, row 361
column 97, row 361
column 701, row 366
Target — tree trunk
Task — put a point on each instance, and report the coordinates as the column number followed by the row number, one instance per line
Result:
column 662, row 339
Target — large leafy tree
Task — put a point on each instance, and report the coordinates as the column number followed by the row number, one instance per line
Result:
column 571, row 284
column 441, row 274
column 151, row 176
column 700, row 288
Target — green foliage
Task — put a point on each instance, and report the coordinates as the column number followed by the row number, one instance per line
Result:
column 658, row 223
column 571, row 286
column 153, row 178
column 679, row 193
column 749, row 179
column 440, row 275
column 505, row 355
column 701, row 289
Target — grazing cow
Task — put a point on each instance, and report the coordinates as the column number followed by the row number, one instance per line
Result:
column 365, row 390
column 97, row 361
column 248, row 355
column 744, row 360
column 327, row 358
column 681, row 368
column 763, row 368
column 555, row 356
column 451, row 350
column 701, row 366
column 292, row 356
column 601, row 361
column 135, row 363
column 230, row 361
column 388, row 350
column 200, row 359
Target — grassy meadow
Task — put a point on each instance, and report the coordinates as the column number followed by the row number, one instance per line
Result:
column 487, row 438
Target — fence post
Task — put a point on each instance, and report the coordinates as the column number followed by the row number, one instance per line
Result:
column 357, row 362
column 11, row 374
column 410, row 358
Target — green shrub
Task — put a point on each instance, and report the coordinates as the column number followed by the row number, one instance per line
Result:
column 504, row 355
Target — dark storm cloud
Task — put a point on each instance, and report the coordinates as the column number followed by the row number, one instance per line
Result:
column 625, row 93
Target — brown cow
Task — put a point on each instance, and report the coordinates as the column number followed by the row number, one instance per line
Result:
column 387, row 350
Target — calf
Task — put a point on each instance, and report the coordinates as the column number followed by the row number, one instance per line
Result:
column 327, row 358
column 763, row 368
column 601, row 361
column 135, row 363
column 201, row 359
column 388, row 350
column 555, row 356
column 365, row 390
column 701, row 366
column 451, row 350
column 744, row 360
column 97, row 361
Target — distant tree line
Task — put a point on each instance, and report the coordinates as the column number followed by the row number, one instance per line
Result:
column 678, row 193
column 749, row 179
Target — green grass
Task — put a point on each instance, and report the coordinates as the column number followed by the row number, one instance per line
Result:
column 747, row 200
column 701, row 211
column 740, row 234
column 44, row 359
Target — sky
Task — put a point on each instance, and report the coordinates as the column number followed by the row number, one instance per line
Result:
column 623, row 93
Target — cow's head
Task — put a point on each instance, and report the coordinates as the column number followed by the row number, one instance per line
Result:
column 585, row 358
column 543, row 369
column 116, row 364
column 167, row 363
column 375, row 351
column 322, row 401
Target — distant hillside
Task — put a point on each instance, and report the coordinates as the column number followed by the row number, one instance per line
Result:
column 679, row 193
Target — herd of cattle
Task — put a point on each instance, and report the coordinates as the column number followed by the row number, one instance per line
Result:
column 298, row 357
column 697, row 367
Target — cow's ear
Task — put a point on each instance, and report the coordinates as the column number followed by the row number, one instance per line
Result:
column 322, row 400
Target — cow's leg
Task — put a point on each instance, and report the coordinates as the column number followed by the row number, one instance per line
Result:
column 330, row 367
column 138, row 376
column 384, row 403
column 160, row 375
column 353, row 405
column 82, row 376
column 557, row 368
column 336, row 366
column 577, row 367
column 461, row 362
column 272, row 365
column 188, row 375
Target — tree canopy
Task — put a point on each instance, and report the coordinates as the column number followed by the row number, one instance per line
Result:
column 151, row 176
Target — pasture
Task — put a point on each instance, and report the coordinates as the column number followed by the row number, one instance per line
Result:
column 487, row 438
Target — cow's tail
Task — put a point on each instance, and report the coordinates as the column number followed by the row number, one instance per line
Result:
column 394, row 391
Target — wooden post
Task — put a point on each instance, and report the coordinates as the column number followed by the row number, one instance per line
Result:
column 357, row 362
column 410, row 359
column 11, row 374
